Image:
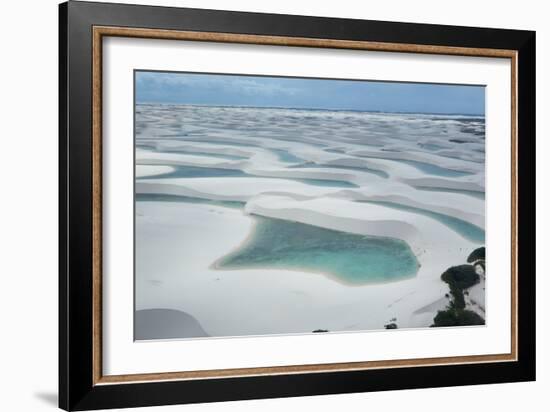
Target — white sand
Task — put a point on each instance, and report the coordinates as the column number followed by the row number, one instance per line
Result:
column 152, row 170
column 283, row 301
column 176, row 243
column 222, row 301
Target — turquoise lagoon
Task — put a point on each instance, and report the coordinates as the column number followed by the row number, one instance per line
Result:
column 472, row 193
column 379, row 173
column 153, row 197
column 427, row 168
column 463, row 228
column 189, row 151
column 286, row 157
column 433, row 169
column 208, row 154
column 196, row 172
column 347, row 257
column 280, row 244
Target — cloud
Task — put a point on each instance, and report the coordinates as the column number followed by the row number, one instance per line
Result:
column 241, row 90
column 249, row 86
column 222, row 83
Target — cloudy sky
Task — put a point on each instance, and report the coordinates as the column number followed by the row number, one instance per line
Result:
column 232, row 90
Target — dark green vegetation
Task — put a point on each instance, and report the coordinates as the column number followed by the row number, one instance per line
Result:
column 457, row 317
column 391, row 326
column 477, row 257
column 478, row 254
column 320, row 331
column 459, row 278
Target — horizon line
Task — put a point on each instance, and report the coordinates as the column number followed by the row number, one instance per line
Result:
column 311, row 108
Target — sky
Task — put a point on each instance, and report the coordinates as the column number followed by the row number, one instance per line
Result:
column 258, row 91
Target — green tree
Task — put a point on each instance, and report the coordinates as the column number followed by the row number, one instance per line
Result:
column 459, row 278
column 478, row 254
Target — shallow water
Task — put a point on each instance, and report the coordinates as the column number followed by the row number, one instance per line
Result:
column 185, row 150
column 349, row 258
column 378, row 173
column 463, row 228
column 323, row 182
column 340, row 151
column 195, row 172
column 429, row 168
column 151, row 197
column 207, row 154
column 432, row 147
column 218, row 142
column 472, row 193
column 191, row 172
column 287, row 157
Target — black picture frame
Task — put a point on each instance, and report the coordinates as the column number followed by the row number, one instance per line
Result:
column 77, row 390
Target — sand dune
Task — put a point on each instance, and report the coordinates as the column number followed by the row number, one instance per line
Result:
column 415, row 178
column 166, row 324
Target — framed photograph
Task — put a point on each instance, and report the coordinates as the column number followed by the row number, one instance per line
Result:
column 256, row 205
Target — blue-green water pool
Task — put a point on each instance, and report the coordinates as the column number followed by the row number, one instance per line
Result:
column 189, row 151
column 379, row 173
column 153, row 197
column 196, row 172
column 349, row 258
column 428, row 168
column 472, row 193
column 286, row 157
column 463, row 228
column 208, row 154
